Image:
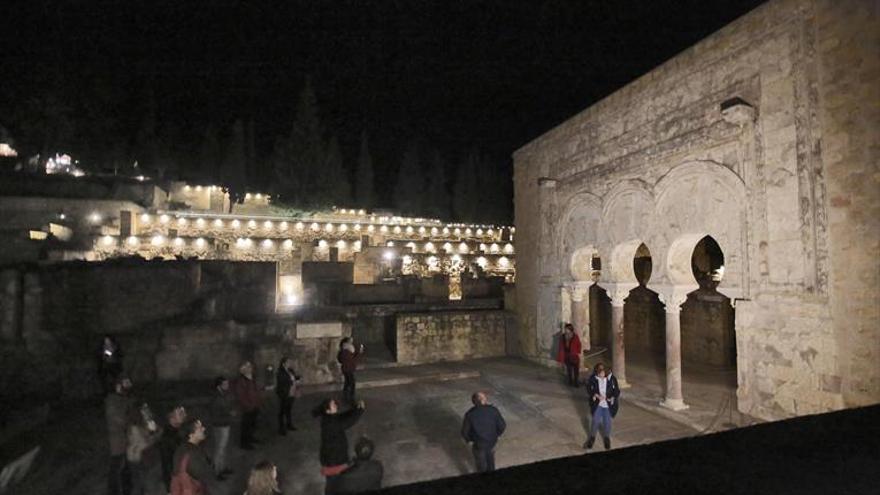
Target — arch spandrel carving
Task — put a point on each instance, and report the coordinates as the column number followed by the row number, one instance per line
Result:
column 693, row 200
column 580, row 229
column 627, row 210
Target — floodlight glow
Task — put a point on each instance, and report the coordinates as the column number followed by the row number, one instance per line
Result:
column 236, row 224
column 181, row 221
column 421, row 230
column 329, row 227
column 493, row 248
column 247, row 196
column 343, row 228
column 357, row 245
column 178, row 241
column 164, row 219
column 200, row 243
column 409, row 230
column 483, row 262
column 322, row 243
column 383, row 229
column 447, row 247
column 411, row 245
column 315, row 226
column 503, row 262
column 218, row 223
column 145, row 218
column 388, row 255
column 390, row 243
column 287, row 244
column 95, row 217
column 341, row 244
column 468, row 231
column 463, row 248
column 508, row 248
column 446, row 230
column 200, row 222
column 456, row 258
column 283, row 226
column 157, row 240
column 291, row 299
column 299, row 226
column 107, row 240
column 267, row 224
column 397, row 229
column 357, row 227
column 429, row 247
column 252, row 224
column 370, row 228
column 267, row 244
column 132, row 241
column 479, row 231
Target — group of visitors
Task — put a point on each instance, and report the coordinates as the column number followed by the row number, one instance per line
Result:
column 146, row 457
column 144, row 453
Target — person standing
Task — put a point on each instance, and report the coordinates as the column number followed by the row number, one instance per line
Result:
column 109, row 363
column 334, row 441
column 569, row 354
column 482, row 426
column 247, row 393
column 117, row 408
column 143, row 433
column 192, row 468
column 365, row 474
column 169, row 442
column 263, row 480
column 348, row 358
column 286, row 389
column 604, row 393
column 223, row 412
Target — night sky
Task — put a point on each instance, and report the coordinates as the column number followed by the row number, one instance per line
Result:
column 490, row 75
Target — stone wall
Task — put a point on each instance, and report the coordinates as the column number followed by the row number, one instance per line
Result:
column 761, row 136
column 54, row 316
column 450, row 336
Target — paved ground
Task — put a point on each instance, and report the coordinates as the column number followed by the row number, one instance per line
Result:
column 414, row 423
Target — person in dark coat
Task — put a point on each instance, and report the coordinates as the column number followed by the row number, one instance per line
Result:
column 169, row 441
column 364, row 475
column 348, row 358
column 334, row 441
column 604, row 392
column 191, row 458
column 223, row 412
column 117, row 410
column 249, row 399
column 285, row 388
column 481, row 428
column 569, row 354
column 109, row 363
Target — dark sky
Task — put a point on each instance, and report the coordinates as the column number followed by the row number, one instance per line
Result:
column 459, row 74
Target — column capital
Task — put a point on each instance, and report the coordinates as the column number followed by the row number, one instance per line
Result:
column 579, row 292
column 618, row 291
column 673, row 296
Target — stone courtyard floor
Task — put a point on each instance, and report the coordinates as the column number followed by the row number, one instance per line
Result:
column 413, row 415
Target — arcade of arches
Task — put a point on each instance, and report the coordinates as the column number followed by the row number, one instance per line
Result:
column 722, row 210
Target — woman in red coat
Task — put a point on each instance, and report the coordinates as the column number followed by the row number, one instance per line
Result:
column 569, row 354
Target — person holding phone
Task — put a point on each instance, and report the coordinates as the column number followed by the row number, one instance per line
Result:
column 348, row 358
column 604, row 393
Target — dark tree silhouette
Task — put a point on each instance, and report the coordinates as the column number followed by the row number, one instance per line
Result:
column 332, row 185
column 364, row 188
column 436, row 192
column 465, row 192
column 298, row 159
column 233, row 172
column 210, row 155
column 410, row 187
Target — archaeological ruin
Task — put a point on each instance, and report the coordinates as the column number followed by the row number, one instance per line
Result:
column 722, row 209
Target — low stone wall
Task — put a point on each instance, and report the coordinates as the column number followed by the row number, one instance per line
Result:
column 450, row 336
column 204, row 351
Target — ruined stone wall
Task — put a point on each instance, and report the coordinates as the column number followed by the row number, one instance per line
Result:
column 762, row 136
column 54, row 316
column 450, row 336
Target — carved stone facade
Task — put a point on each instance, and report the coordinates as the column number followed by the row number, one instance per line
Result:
column 764, row 137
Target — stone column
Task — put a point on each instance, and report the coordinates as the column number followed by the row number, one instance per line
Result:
column 580, row 311
column 673, row 298
column 618, row 292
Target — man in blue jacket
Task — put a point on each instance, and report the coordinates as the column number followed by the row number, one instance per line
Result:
column 482, row 426
column 604, row 396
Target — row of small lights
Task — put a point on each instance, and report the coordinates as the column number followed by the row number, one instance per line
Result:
column 433, row 261
column 462, row 247
column 156, row 240
column 315, row 226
